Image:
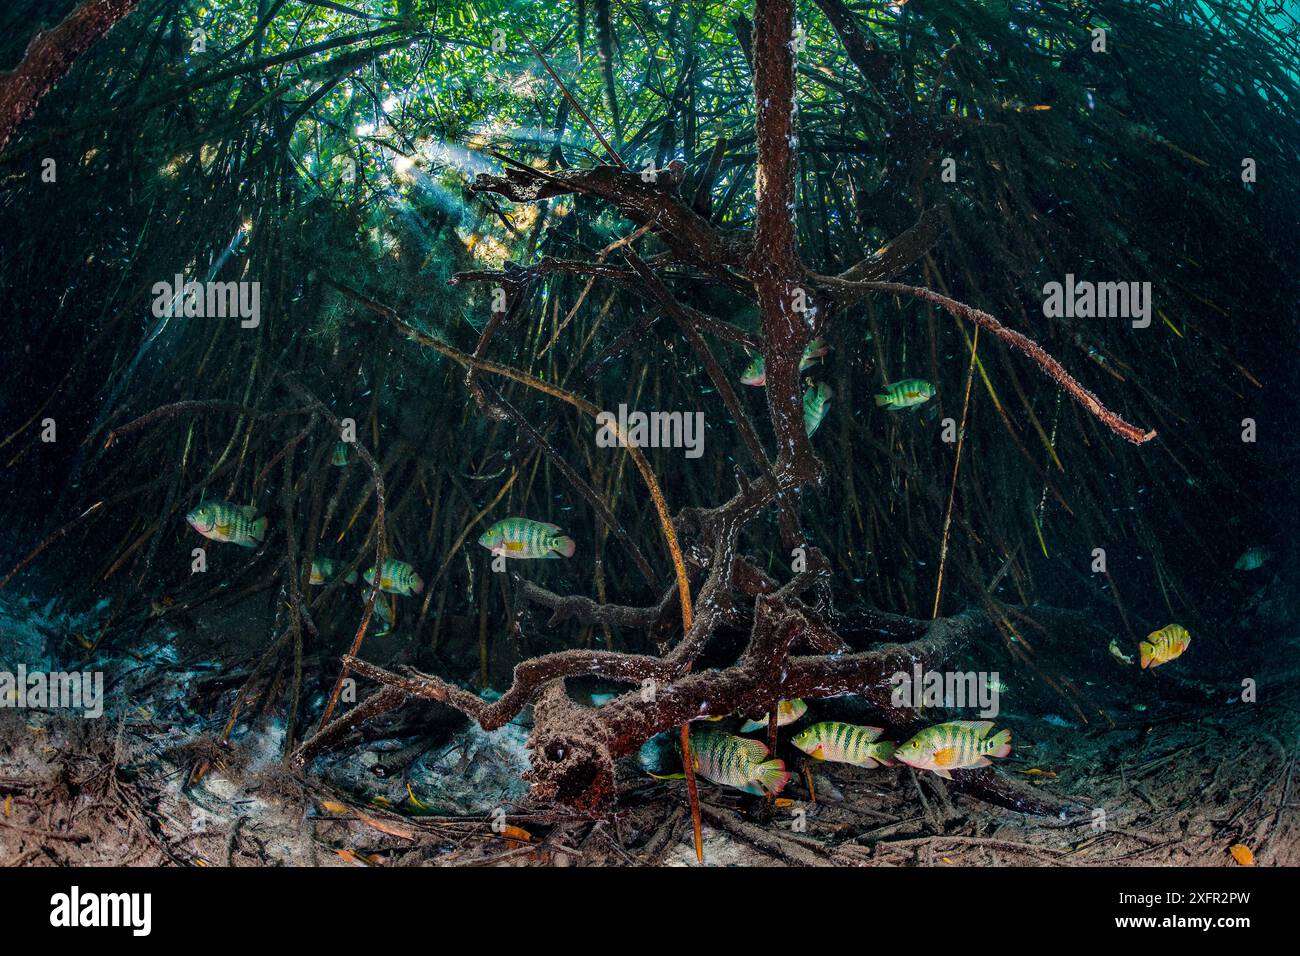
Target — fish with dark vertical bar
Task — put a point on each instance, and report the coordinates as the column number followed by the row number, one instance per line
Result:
column 223, row 521
column 527, row 539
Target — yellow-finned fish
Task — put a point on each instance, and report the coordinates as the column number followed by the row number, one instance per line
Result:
column 222, row 521
column 956, row 745
column 398, row 578
column 845, row 743
column 906, row 394
column 526, row 538
column 1164, row 645
column 739, row 762
column 327, row 569
column 787, row 712
column 816, row 402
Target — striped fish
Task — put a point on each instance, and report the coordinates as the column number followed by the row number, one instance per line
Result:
column 222, row 521
column 1164, row 645
column 956, row 745
column 398, row 578
column 327, row 569
column 906, row 394
column 525, row 538
column 813, row 353
column 756, row 372
column 385, row 612
column 845, row 743
column 816, row 402
column 739, row 762
column 787, row 712
column 1252, row 559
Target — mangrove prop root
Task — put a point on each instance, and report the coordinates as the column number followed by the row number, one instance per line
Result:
column 49, row 57
column 574, row 747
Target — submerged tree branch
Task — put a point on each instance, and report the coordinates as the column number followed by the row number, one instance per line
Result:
column 49, row 57
column 1017, row 339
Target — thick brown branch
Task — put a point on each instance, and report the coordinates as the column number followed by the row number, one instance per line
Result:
column 774, row 266
column 896, row 255
column 1020, row 341
column 49, row 57
column 691, row 238
column 586, row 611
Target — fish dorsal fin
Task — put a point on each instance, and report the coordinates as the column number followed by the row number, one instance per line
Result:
column 248, row 510
column 871, row 733
column 549, row 527
column 981, row 727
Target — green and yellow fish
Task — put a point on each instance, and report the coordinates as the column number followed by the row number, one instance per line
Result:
column 906, row 394
column 956, row 745
column 787, row 712
column 525, row 538
column 816, row 402
column 398, row 578
column 340, row 459
column 385, row 612
column 813, row 352
column 222, row 521
column 739, row 762
column 756, row 372
column 327, row 569
column 1164, row 645
column 845, row 743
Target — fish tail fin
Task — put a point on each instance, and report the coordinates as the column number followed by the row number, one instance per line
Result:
column 565, row 545
column 1001, row 743
column 882, row 400
column 772, row 776
column 258, row 531
column 1148, row 653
